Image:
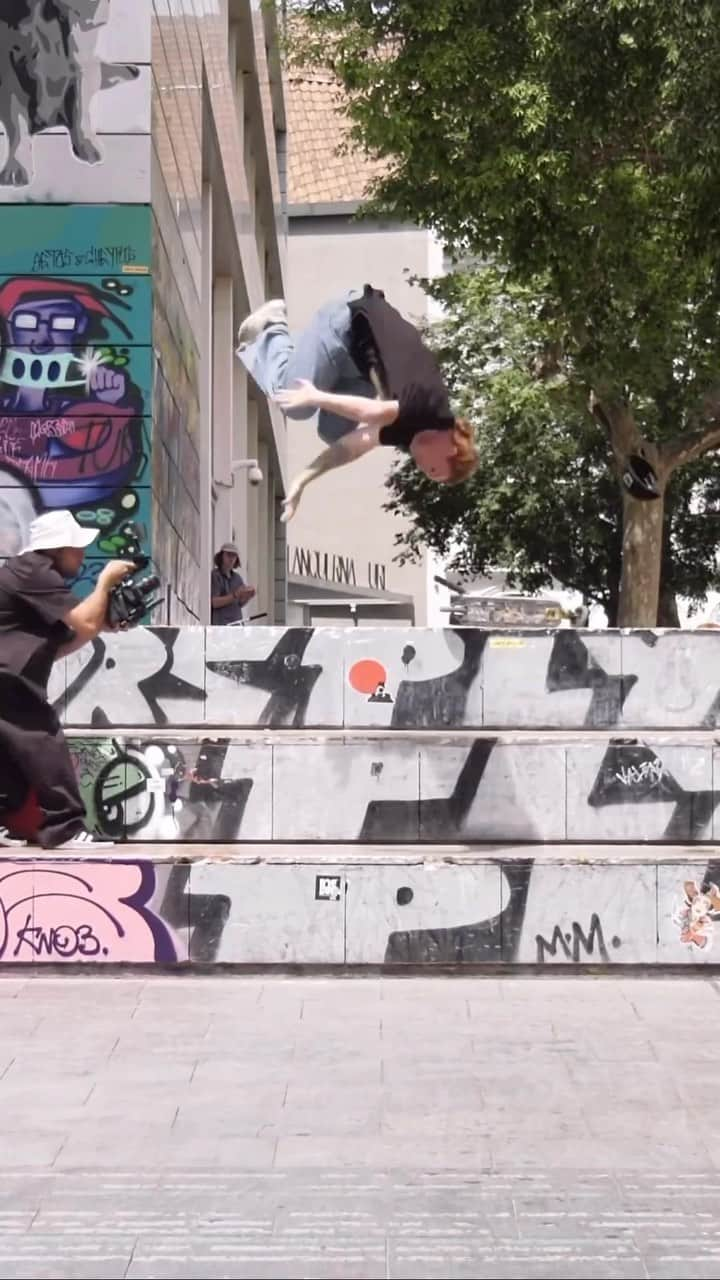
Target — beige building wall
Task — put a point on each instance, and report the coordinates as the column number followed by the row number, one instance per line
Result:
column 342, row 513
column 219, row 223
column 341, row 542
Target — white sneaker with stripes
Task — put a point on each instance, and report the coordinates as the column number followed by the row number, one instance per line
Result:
column 10, row 842
column 85, row 841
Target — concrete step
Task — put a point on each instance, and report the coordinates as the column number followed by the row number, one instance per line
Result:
column 418, row 787
column 345, row 906
column 393, row 678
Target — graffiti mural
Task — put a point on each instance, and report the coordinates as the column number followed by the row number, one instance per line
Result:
column 218, row 788
column 633, row 774
column 297, row 677
column 283, row 675
column 507, row 909
column 89, row 911
column 55, row 76
column 485, row 940
column 107, row 912
column 150, row 676
column 75, row 376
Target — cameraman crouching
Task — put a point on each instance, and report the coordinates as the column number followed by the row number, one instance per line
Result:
column 40, row 621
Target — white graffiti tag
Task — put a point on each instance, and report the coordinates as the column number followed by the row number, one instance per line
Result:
column 649, row 771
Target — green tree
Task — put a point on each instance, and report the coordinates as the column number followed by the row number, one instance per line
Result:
column 578, row 143
column 543, row 502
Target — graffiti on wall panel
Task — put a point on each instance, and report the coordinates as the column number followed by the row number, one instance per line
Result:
column 50, row 75
column 75, row 378
column 631, row 773
column 440, row 701
column 153, row 790
column 329, row 685
column 493, row 939
column 150, row 686
column 572, row 666
column 89, row 911
column 106, row 912
column 576, row 944
column 283, row 675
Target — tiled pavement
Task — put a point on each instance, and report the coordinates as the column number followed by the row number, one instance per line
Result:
column 226, row 1126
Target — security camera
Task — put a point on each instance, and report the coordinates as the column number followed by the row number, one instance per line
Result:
column 255, row 475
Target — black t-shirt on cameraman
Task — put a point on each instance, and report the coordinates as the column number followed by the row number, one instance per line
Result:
column 34, row 599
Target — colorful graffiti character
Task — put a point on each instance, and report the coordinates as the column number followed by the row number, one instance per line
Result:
column 69, row 413
column 697, row 914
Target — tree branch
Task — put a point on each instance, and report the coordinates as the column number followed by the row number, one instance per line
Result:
column 690, row 445
column 686, row 448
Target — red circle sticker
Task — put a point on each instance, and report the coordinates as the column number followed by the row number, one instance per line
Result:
column 366, row 675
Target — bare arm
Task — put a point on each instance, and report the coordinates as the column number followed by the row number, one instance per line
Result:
column 373, row 413
column 89, row 616
column 348, row 449
column 364, row 409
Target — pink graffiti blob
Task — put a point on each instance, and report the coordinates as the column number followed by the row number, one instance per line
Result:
column 82, row 911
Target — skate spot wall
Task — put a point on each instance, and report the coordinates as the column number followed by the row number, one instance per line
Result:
column 513, row 910
column 227, row 790
column 418, row 779
column 393, row 679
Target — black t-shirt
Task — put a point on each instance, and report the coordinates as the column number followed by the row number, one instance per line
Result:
column 34, row 599
column 408, row 371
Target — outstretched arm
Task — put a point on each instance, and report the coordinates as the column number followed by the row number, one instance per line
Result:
column 365, row 409
column 345, row 450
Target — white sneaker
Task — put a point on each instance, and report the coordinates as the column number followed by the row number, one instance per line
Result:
column 86, row 840
column 9, row 842
column 273, row 312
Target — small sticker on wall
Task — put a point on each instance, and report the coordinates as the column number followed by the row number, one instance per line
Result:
column 328, row 888
column 506, row 642
column 380, row 695
column 134, row 269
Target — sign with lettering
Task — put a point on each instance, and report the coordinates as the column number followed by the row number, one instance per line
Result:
column 328, row 566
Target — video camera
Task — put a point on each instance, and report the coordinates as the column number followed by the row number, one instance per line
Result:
column 130, row 599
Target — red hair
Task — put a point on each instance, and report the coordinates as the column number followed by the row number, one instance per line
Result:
column 465, row 460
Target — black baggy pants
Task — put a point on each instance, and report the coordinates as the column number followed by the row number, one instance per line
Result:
column 34, row 743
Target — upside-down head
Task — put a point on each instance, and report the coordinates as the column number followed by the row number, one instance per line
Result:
column 447, row 455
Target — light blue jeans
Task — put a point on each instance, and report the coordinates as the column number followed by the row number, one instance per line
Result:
column 321, row 354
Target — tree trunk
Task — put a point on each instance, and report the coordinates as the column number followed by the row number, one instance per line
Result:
column 641, row 562
column 668, row 615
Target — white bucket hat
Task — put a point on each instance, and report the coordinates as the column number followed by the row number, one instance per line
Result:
column 58, row 529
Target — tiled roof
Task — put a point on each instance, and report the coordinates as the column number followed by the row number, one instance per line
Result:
column 317, row 125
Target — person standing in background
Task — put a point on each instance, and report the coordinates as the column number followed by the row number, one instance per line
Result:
column 228, row 592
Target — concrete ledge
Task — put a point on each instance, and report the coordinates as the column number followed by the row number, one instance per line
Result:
column 643, row 907
column 415, row 788
column 393, row 678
